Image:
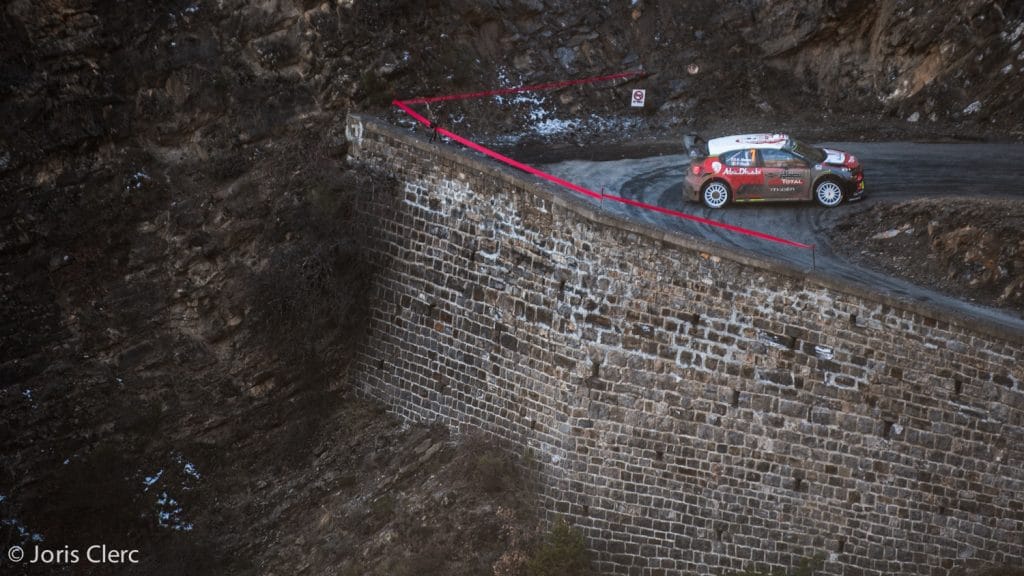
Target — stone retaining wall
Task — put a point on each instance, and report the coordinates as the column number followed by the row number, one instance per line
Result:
column 691, row 409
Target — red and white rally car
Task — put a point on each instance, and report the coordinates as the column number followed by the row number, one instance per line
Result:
column 770, row 167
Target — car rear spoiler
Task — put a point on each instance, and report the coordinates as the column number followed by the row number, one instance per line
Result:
column 696, row 147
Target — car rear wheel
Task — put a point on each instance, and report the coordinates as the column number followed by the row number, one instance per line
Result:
column 715, row 194
column 828, row 193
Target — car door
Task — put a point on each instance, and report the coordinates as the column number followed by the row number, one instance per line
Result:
column 786, row 175
column 743, row 174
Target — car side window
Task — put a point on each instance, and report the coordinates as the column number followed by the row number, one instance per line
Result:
column 740, row 158
column 781, row 159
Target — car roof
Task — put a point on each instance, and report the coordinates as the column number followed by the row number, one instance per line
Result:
column 717, row 146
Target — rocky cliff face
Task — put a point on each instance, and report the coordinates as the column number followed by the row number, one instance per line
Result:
column 180, row 285
column 180, row 291
column 957, row 62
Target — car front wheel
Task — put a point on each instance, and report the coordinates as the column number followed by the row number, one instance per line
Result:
column 715, row 194
column 828, row 193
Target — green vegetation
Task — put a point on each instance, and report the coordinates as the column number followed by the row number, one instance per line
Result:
column 562, row 553
column 492, row 471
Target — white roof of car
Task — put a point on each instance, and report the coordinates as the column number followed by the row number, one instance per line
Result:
column 717, row 146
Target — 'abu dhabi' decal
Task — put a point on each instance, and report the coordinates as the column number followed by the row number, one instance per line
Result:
column 742, row 171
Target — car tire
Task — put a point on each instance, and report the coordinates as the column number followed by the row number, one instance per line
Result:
column 828, row 193
column 715, row 194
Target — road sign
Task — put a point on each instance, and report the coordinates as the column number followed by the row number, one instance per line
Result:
column 638, row 98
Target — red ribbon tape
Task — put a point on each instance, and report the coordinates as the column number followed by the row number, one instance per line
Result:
column 405, row 106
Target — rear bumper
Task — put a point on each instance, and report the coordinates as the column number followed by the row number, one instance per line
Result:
column 691, row 187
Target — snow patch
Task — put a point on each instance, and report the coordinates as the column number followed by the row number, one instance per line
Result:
column 1011, row 36
column 906, row 228
column 24, row 534
column 148, row 481
column 170, row 514
column 138, row 180
column 973, row 107
column 554, row 126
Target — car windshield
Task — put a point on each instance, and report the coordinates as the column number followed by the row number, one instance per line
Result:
column 815, row 155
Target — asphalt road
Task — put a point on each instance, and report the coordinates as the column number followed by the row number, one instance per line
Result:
column 892, row 172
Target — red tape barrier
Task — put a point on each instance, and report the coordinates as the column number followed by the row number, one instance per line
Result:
column 534, row 88
column 404, row 105
column 514, row 163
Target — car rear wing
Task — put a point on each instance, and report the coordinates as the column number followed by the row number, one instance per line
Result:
column 695, row 146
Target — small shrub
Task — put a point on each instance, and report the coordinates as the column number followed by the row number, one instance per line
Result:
column 422, row 563
column 492, row 472
column 383, row 507
column 377, row 92
column 563, row 553
column 308, row 300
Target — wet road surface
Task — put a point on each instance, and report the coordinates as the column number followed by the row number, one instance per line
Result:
column 892, row 172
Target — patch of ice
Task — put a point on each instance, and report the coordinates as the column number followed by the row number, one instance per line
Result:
column 192, row 9
column 27, row 393
column 973, row 107
column 1007, row 69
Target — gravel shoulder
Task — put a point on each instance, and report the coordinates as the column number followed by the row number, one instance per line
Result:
column 972, row 249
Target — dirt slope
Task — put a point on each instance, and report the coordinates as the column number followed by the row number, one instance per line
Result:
column 973, row 249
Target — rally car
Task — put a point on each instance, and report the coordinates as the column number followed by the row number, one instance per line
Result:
column 769, row 167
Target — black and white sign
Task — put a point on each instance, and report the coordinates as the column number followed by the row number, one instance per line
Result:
column 638, row 98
